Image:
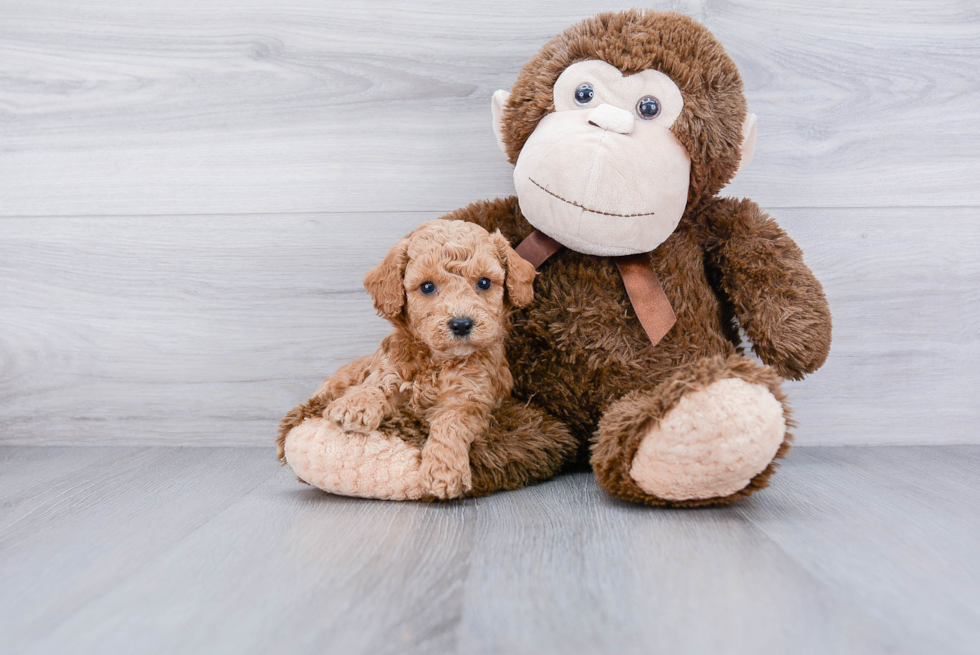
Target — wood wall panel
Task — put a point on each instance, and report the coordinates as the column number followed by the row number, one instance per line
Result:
column 207, row 329
column 211, row 106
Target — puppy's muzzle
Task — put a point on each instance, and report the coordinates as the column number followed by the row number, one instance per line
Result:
column 461, row 326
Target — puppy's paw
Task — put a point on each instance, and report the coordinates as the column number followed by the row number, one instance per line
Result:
column 445, row 480
column 361, row 409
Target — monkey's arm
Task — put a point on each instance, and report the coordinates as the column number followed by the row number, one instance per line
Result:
column 502, row 214
column 778, row 301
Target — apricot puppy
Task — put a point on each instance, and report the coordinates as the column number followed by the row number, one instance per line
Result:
column 447, row 288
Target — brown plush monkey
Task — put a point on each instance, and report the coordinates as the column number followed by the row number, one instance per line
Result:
column 622, row 131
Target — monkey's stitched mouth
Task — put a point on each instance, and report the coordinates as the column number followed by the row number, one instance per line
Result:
column 583, row 207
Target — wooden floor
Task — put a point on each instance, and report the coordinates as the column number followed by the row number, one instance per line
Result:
column 219, row 550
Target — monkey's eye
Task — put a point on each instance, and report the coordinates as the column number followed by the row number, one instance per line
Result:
column 648, row 107
column 483, row 283
column 427, row 288
column 584, row 94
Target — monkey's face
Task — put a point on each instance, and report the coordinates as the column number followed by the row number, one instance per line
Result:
column 617, row 123
column 603, row 174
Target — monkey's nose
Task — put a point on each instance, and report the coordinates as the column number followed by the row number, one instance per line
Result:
column 460, row 327
column 612, row 118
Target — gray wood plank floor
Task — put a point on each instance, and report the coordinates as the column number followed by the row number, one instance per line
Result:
column 219, row 550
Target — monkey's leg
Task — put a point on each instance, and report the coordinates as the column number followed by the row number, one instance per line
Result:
column 708, row 435
column 383, row 463
column 523, row 446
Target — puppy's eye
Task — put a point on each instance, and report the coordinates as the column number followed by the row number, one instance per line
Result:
column 648, row 107
column 483, row 283
column 427, row 288
column 584, row 94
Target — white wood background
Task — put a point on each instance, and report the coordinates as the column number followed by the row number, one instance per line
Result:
column 191, row 191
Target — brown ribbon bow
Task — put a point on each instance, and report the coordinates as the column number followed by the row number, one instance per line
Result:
column 642, row 284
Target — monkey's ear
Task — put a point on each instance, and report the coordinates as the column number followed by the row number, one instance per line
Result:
column 748, row 141
column 385, row 281
column 497, row 108
column 520, row 272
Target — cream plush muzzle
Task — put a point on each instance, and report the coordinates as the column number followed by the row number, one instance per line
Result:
column 599, row 191
column 597, row 176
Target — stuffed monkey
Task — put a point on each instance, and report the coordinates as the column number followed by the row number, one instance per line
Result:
column 622, row 130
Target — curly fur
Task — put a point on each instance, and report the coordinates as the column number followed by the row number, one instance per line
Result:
column 452, row 382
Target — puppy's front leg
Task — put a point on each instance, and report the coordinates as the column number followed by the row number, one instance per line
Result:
column 360, row 409
column 445, row 467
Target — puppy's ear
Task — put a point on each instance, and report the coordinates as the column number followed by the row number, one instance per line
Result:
column 385, row 281
column 520, row 272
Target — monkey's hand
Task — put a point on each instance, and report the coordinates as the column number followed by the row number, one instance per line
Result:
column 792, row 336
column 360, row 409
column 778, row 301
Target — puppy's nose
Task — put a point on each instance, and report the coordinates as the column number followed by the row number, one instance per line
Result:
column 461, row 327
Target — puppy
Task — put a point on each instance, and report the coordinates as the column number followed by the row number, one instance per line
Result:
column 447, row 288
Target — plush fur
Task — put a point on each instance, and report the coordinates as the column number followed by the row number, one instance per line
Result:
column 373, row 464
column 709, row 126
column 638, row 415
column 711, row 444
column 580, row 353
column 588, row 384
column 522, row 446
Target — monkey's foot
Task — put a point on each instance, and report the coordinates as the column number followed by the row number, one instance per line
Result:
column 705, row 436
column 368, row 465
column 712, row 443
